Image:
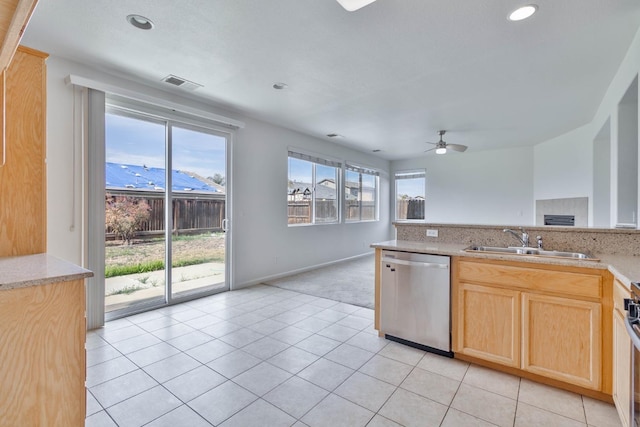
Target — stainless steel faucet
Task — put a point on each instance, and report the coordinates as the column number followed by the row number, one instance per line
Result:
column 524, row 240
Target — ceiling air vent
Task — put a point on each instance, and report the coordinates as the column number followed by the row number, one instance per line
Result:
column 334, row 135
column 181, row 83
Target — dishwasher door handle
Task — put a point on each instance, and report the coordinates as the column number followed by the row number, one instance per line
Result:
column 414, row 263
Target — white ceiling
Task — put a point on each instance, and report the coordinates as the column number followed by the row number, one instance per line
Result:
column 387, row 76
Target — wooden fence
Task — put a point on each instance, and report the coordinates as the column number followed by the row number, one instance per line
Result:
column 191, row 214
column 410, row 209
column 299, row 212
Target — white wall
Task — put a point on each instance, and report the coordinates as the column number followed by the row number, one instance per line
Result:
column 487, row 187
column 263, row 241
column 564, row 165
column 263, row 245
column 601, row 202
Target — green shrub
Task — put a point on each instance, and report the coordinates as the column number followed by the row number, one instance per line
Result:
column 123, row 270
column 146, row 267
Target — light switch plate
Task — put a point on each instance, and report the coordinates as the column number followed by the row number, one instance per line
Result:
column 432, row 233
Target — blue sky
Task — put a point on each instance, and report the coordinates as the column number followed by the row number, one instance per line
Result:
column 139, row 142
column 300, row 171
column 410, row 187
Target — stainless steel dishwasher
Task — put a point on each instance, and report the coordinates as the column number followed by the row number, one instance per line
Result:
column 415, row 300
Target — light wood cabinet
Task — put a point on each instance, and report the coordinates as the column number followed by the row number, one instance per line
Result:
column 542, row 320
column 622, row 348
column 489, row 323
column 562, row 339
column 23, row 175
column 42, row 336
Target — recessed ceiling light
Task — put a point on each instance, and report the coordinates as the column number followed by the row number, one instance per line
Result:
column 280, row 86
column 140, row 21
column 523, row 12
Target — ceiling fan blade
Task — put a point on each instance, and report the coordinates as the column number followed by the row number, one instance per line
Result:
column 457, row 147
column 432, row 143
column 430, row 149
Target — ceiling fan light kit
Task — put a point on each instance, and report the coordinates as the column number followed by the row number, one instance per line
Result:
column 441, row 146
column 352, row 5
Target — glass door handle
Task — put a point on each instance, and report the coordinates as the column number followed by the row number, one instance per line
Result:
column 225, row 224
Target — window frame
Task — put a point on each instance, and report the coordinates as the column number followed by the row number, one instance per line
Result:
column 316, row 160
column 361, row 170
column 409, row 174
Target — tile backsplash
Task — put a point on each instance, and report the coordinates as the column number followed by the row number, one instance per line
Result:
column 588, row 240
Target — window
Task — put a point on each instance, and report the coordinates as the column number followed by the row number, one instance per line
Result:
column 312, row 190
column 360, row 194
column 410, row 194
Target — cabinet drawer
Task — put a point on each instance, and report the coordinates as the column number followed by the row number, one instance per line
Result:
column 575, row 285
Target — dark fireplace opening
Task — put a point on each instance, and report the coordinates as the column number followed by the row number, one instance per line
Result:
column 563, row 220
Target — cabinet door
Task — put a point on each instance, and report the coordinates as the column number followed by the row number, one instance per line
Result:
column 43, row 369
column 621, row 355
column 22, row 177
column 621, row 368
column 488, row 324
column 562, row 339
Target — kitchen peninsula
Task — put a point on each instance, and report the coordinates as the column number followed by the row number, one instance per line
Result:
column 552, row 320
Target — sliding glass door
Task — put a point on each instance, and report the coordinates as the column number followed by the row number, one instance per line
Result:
column 198, row 240
column 165, row 211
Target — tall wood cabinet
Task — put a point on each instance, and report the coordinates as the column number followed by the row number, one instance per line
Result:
column 42, row 299
column 23, row 224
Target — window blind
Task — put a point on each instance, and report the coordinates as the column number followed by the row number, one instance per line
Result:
column 361, row 169
column 410, row 175
column 314, row 159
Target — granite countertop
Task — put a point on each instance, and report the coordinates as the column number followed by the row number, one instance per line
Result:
column 624, row 268
column 36, row 270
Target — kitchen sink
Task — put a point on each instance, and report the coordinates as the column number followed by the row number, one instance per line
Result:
column 518, row 250
column 508, row 250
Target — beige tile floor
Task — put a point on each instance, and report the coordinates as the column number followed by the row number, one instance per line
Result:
column 265, row 356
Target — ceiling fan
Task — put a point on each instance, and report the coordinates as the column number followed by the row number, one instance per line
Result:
column 352, row 5
column 441, row 147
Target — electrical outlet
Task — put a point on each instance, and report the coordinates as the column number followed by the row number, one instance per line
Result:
column 432, row 233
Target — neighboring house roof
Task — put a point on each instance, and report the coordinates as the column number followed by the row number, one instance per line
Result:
column 322, row 191
column 352, row 189
column 134, row 177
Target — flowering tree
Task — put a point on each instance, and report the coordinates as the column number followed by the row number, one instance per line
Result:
column 125, row 216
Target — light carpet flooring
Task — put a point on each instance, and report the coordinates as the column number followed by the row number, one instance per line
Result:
column 351, row 282
column 271, row 357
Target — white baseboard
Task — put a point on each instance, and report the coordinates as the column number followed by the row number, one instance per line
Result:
column 236, row 286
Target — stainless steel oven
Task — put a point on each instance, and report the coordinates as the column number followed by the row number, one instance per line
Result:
column 632, row 322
